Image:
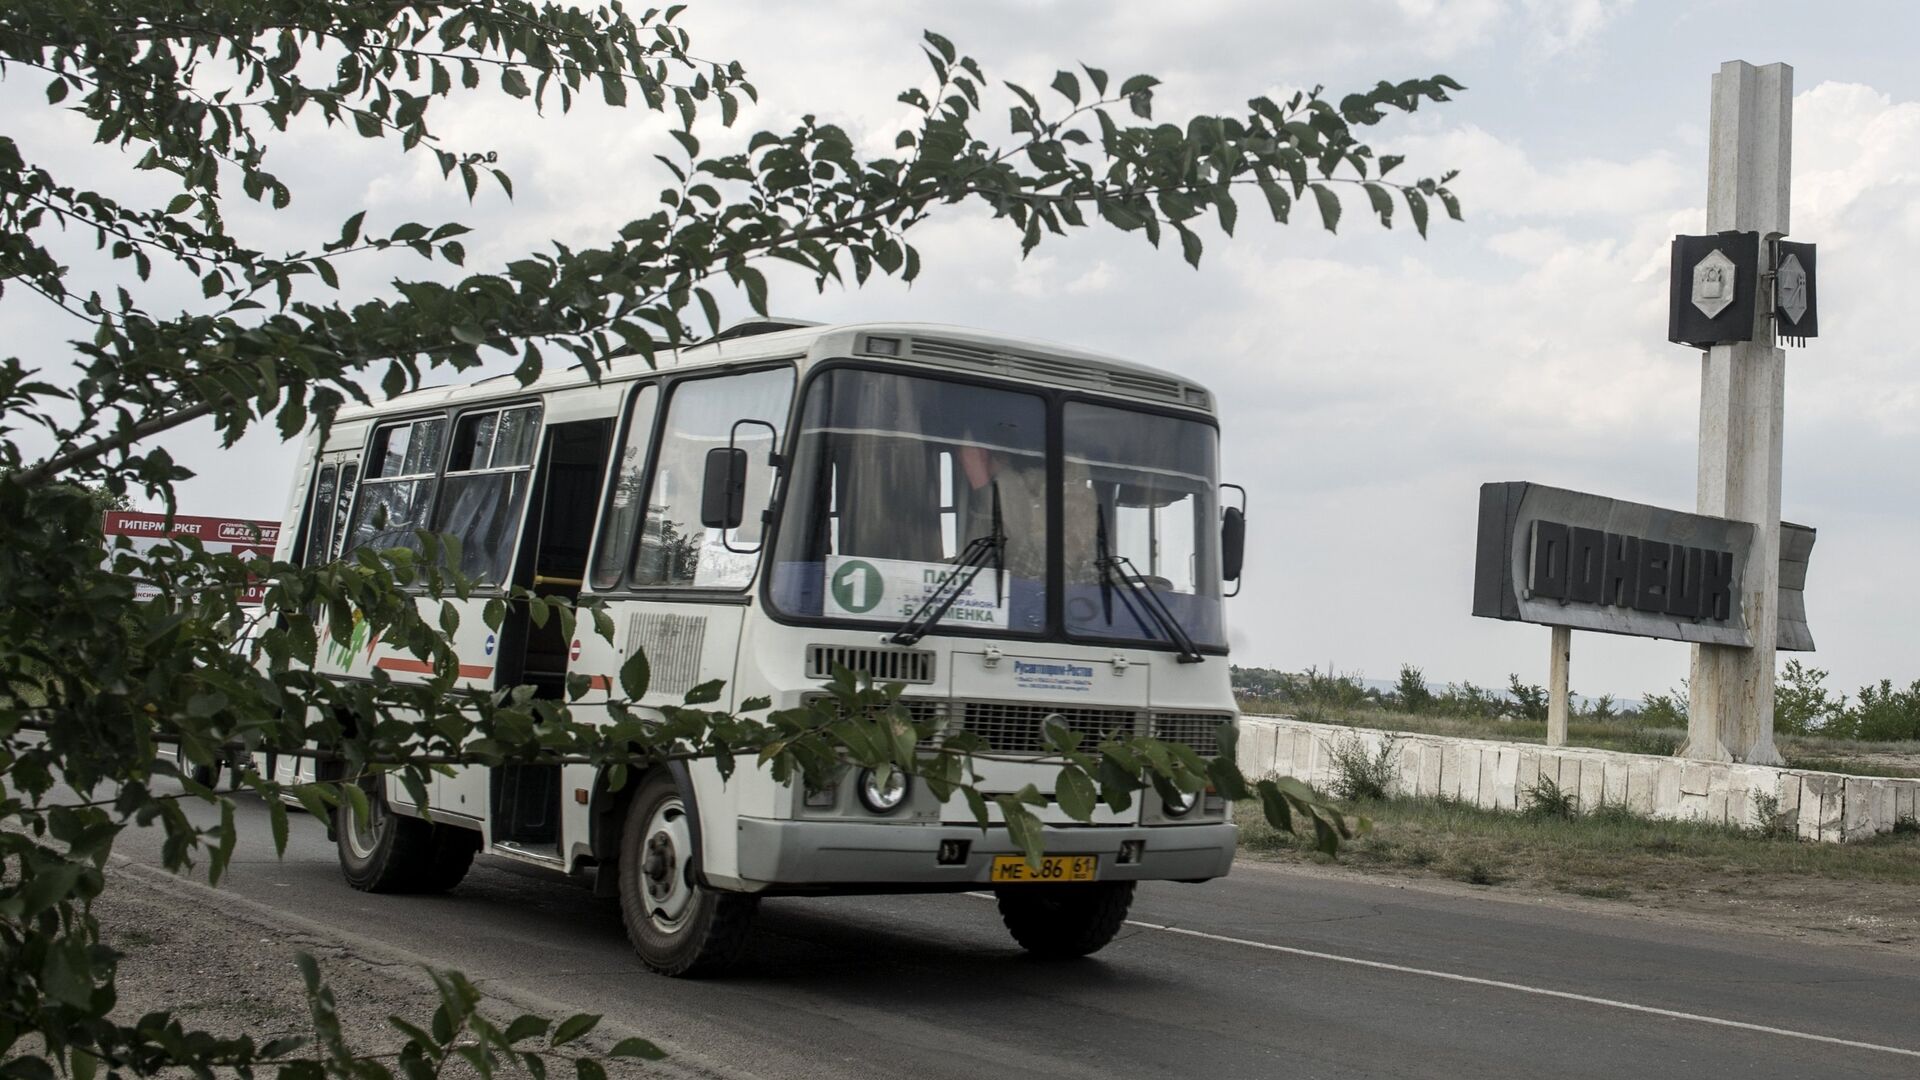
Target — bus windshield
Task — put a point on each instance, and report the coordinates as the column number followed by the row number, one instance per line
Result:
column 1141, row 486
column 894, row 475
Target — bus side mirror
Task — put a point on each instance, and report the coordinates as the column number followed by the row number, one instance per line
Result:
column 1233, row 542
column 723, row 499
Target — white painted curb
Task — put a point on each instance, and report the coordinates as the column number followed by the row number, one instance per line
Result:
column 1496, row 775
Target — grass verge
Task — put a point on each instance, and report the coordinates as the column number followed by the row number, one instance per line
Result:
column 1869, row 889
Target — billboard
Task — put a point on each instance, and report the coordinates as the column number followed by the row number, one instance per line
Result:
column 240, row 536
column 1568, row 558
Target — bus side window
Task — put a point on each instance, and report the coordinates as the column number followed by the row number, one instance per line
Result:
column 485, row 488
column 626, row 496
column 317, row 549
column 675, row 548
column 397, row 491
column 349, row 473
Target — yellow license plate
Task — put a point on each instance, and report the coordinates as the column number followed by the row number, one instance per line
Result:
column 1012, row 869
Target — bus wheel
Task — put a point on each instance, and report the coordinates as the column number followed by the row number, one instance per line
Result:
column 388, row 853
column 677, row 926
column 204, row 775
column 1059, row 922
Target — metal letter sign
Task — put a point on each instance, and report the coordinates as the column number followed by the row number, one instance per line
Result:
column 1714, row 286
column 1567, row 558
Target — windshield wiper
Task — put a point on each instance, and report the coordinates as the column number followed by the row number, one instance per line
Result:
column 973, row 559
column 1119, row 568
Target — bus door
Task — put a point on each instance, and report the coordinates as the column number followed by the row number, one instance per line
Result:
column 552, row 562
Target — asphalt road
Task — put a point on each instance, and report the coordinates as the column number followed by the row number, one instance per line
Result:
column 1264, row 973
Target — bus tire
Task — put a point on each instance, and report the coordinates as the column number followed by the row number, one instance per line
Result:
column 389, row 853
column 1061, row 922
column 204, row 775
column 677, row 926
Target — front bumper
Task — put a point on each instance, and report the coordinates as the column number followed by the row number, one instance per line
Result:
column 823, row 855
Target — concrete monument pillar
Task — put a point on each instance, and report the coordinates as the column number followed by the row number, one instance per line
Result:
column 1742, row 402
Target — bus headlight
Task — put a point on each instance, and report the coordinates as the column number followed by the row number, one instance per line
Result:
column 1182, row 804
column 883, row 798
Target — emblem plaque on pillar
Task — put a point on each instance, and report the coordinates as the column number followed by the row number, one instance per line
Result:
column 1714, row 288
column 1796, row 312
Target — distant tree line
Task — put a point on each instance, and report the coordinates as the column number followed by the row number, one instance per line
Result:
column 1802, row 704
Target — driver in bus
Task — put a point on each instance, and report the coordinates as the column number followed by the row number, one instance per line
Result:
column 1022, row 481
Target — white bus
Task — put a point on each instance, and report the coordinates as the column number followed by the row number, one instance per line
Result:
column 767, row 505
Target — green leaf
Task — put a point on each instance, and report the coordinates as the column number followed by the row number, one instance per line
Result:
column 977, row 803
column 223, row 849
column 64, row 974
column 277, row 821
column 1329, row 206
column 1382, row 201
column 1189, row 244
column 57, row 92
column 637, row 1048
column 180, row 203
column 1074, row 790
column 1023, row 828
column 356, row 797
column 513, row 82
column 573, row 1027
column 1067, row 86
column 635, row 675
column 526, row 1027
column 293, row 418
column 1279, row 815
column 706, row 693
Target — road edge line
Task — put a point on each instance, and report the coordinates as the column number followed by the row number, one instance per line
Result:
column 1541, row 991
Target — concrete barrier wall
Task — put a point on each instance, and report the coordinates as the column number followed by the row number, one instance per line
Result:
column 1498, row 775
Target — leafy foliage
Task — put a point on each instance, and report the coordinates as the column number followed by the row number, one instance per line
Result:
column 1547, row 799
column 1531, row 697
column 1668, row 710
column 1881, row 712
column 1801, row 704
column 1411, row 691
column 1363, row 773
column 93, row 684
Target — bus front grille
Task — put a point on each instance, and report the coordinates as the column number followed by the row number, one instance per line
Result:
column 1201, row 731
column 1015, row 729
column 884, row 665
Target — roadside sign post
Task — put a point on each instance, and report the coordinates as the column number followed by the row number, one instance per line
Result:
column 1729, row 578
column 1557, row 677
column 1742, row 409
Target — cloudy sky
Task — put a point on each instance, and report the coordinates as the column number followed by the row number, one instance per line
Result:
column 1371, row 381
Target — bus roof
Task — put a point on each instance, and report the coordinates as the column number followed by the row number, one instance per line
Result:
column 930, row 344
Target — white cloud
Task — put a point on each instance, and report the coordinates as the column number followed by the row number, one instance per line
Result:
column 1560, row 26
